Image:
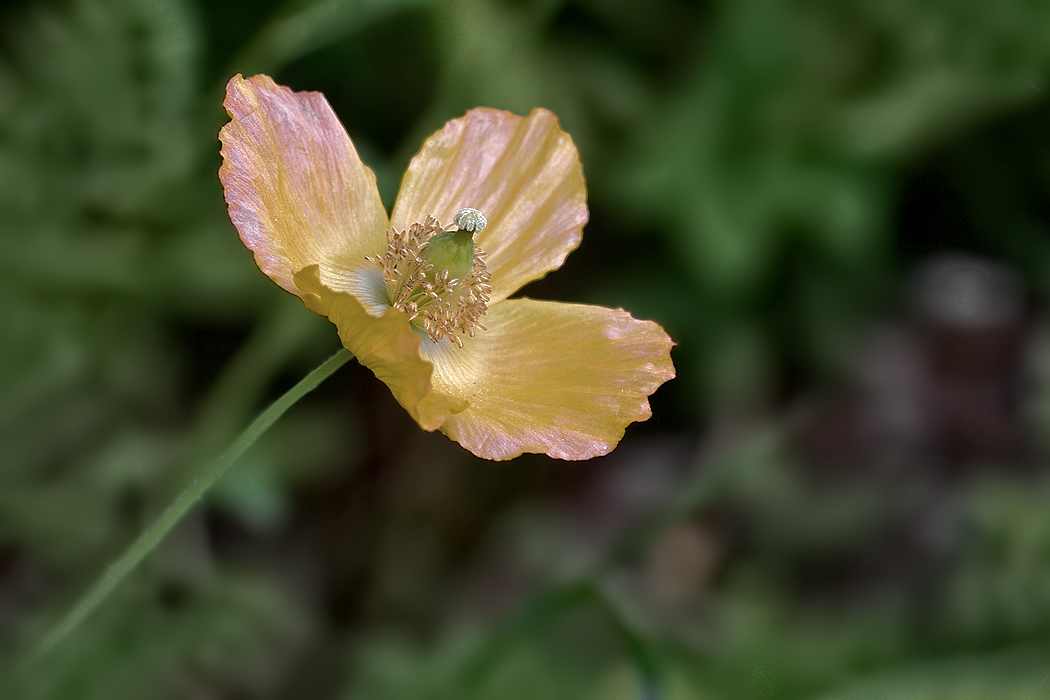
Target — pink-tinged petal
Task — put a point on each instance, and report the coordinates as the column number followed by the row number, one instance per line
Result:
column 387, row 345
column 523, row 173
column 298, row 192
column 561, row 379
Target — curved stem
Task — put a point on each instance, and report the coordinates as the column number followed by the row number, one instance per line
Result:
column 639, row 647
column 152, row 536
column 710, row 482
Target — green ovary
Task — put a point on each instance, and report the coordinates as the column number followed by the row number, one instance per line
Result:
column 452, row 251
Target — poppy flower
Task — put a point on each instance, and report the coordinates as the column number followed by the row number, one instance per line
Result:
column 491, row 201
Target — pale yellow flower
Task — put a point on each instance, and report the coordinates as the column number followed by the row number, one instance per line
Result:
column 547, row 377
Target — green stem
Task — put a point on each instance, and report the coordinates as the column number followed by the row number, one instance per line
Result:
column 528, row 620
column 710, row 482
column 240, row 387
column 152, row 536
column 640, row 648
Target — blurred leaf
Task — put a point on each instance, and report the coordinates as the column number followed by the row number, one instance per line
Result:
column 158, row 640
column 790, row 118
column 533, row 669
column 308, row 26
column 999, row 589
column 1015, row 676
column 104, row 92
column 104, row 89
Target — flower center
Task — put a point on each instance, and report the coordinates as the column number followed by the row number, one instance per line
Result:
column 438, row 277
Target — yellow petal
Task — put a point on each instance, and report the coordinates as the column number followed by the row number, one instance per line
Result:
column 523, row 173
column 298, row 192
column 387, row 345
column 559, row 379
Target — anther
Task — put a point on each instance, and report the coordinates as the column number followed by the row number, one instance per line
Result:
column 437, row 277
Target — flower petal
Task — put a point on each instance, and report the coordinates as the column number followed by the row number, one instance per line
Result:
column 386, row 345
column 298, row 192
column 560, row 379
column 523, row 173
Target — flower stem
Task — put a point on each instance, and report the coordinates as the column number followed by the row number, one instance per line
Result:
column 152, row 536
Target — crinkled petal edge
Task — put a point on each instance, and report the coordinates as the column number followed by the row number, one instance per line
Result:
column 559, row 379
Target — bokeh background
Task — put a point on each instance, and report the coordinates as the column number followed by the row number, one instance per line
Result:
column 839, row 210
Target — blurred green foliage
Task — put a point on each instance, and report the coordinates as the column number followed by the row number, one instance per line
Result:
column 761, row 175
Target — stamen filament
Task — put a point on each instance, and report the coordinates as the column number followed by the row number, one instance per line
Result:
column 443, row 307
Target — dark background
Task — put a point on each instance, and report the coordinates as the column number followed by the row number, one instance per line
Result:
column 840, row 211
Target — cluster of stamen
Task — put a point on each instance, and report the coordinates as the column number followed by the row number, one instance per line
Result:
column 441, row 306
